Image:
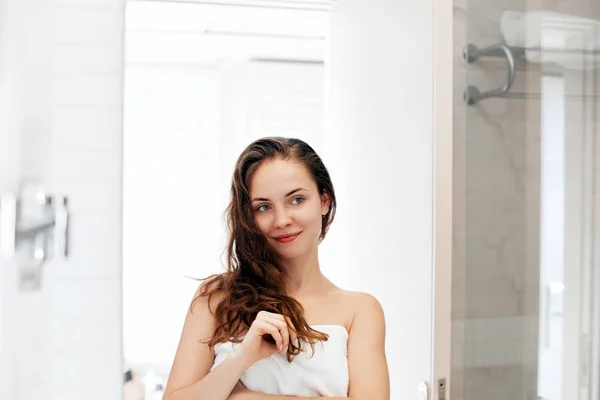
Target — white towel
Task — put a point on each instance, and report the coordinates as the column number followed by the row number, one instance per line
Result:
column 552, row 37
column 323, row 373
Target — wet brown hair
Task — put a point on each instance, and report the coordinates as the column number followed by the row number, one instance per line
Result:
column 255, row 280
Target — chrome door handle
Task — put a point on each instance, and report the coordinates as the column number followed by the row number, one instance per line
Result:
column 34, row 228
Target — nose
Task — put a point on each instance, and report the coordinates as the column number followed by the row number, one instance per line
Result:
column 282, row 219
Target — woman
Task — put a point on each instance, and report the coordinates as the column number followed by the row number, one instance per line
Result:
column 273, row 326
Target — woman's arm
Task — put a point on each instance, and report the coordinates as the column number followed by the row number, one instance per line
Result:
column 190, row 377
column 369, row 376
column 368, row 370
column 241, row 393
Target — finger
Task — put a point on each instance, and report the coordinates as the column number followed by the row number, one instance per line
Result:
column 264, row 315
column 267, row 315
column 293, row 335
column 264, row 327
column 283, row 329
column 289, row 336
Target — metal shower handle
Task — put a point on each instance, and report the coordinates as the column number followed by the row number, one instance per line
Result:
column 471, row 53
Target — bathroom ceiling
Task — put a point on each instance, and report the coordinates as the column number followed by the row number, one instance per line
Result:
column 205, row 31
column 285, row 4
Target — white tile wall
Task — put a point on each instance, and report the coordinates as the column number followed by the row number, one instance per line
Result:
column 64, row 342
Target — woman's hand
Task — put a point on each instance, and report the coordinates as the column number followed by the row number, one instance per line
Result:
column 268, row 334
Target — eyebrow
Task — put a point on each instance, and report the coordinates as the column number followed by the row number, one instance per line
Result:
column 287, row 195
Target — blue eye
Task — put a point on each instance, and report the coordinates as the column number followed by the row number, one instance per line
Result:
column 298, row 198
column 260, row 208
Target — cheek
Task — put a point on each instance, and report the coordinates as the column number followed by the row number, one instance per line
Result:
column 263, row 223
column 310, row 217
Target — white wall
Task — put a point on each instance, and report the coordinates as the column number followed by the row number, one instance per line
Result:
column 60, row 113
column 170, row 147
column 381, row 109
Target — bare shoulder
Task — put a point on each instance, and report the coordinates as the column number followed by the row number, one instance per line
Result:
column 358, row 300
column 361, row 306
column 208, row 296
column 194, row 357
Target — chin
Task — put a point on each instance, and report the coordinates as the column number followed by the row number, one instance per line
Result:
column 289, row 255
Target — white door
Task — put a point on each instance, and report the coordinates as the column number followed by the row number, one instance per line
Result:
column 60, row 126
column 381, row 113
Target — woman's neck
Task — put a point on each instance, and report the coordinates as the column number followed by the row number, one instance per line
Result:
column 304, row 275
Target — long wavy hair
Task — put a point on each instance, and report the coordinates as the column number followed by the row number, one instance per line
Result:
column 255, row 280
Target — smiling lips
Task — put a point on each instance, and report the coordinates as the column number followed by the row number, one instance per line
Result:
column 287, row 238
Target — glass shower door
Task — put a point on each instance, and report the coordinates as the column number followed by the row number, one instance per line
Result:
column 526, row 298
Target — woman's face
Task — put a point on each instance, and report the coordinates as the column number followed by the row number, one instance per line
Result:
column 287, row 206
